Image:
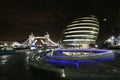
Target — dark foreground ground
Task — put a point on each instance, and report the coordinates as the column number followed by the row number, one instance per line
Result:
column 14, row 67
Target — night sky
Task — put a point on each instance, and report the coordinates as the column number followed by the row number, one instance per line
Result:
column 18, row 18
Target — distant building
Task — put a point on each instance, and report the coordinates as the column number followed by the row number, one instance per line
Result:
column 81, row 33
column 112, row 42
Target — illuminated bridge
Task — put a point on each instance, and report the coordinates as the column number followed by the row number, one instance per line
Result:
column 32, row 40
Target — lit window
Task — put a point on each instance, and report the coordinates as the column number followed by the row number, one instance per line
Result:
column 81, row 31
column 78, row 40
column 89, row 36
column 83, row 24
column 77, row 27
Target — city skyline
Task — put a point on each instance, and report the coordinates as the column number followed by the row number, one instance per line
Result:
column 21, row 17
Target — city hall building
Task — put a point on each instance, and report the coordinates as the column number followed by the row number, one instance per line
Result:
column 81, row 33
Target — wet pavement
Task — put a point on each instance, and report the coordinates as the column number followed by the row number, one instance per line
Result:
column 15, row 67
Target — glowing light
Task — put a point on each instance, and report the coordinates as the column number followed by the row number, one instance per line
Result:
column 105, row 19
column 63, row 73
column 85, row 27
column 63, row 61
column 85, row 21
column 88, row 36
column 76, row 63
column 78, row 40
column 112, row 37
column 81, row 31
column 91, row 24
column 83, row 50
column 93, row 18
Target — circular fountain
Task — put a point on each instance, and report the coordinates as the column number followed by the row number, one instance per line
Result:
column 67, row 57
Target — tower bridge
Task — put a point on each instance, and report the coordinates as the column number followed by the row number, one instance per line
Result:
column 44, row 40
column 32, row 40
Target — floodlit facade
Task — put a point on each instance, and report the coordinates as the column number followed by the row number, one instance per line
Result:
column 81, row 33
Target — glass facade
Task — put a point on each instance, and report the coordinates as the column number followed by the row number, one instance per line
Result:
column 82, row 32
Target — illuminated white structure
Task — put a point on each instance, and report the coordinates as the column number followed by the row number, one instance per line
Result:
column 113, row 40
column 31, row 41
column 81, row 33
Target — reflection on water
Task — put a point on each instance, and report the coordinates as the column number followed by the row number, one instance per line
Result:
column 14, row 67
column 4, row 59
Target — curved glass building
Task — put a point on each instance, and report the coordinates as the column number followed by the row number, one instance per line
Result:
column 81, row 33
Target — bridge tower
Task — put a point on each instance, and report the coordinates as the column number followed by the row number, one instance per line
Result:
column 47, row 37
column 31, row 39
